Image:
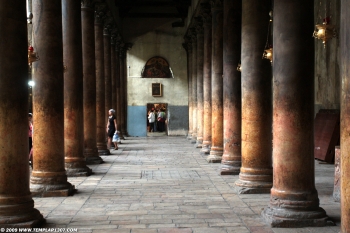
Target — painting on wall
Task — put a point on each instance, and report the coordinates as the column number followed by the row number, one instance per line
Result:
column 157, row 89
column 156, row 67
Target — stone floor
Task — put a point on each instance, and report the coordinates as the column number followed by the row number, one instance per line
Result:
column 163, row 185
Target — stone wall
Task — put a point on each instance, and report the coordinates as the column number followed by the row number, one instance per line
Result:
column 166, row 42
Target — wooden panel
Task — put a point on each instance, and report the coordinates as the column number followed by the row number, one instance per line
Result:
column 326, row 134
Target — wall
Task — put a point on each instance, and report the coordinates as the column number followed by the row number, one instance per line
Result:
column 327, row 60
column 166, row 42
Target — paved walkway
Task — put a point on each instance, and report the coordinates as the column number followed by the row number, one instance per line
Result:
column 163, row 185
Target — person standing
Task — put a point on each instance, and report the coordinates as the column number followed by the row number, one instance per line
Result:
column 30, row 136
column 151, row 120
column 111, row 127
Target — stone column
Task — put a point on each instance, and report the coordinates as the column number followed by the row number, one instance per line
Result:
column 256, row 170
column 207, row 24
column 49, row 175
column 122, row 91
column 217, row 142
column 17, row 205
column 101, row 114
column 75, row 162
column 345, row 116
column 294, row 200
column 107, row 67
column 200, row 61
column 188, row 41
column 194, row 85
column 231, row 159
column 89, row 82
column 113, row 73
column 118, row 64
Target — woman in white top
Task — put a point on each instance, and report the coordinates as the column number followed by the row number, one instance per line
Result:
column 151, row 119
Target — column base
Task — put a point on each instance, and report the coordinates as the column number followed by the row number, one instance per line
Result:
column 227, row 169
column 18, row 213
column 199, row 143
column 94, row 160
column 248, row 187
column 76, row 172
column 205, row 148
column 46, row 184
column 287, row 218
column 189, row 136
column 215, row 155
column 104, row 152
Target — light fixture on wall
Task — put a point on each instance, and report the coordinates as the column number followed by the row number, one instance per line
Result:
column 239, row 66
column 268, row 51
column 325, row 31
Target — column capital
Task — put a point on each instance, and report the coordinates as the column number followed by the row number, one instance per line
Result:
column 108, row 24
column 188, row 42
column 216, row 3
column 199, row 26
column 205, row 13
column 193, row 35
column 100, row 13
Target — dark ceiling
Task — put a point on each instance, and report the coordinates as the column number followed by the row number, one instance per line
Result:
column 155, row 9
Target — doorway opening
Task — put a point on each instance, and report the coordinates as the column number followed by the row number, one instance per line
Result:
column 160, row 125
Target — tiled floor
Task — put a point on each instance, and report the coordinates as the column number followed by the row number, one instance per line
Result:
column 163, row 185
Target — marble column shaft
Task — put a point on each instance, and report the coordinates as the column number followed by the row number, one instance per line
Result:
column 89, row 76
column 345, row 115
column 49, row 175
column 190, row 101
column 217, row 143
column 101, row 114
column 200, row 61
column 194, row 86
column 113, row 75
column 207, row 83
column 231, row 159
column 17, row 206
column 108, row 72
column 294, row 200
column 256, row 171
column 75, row 162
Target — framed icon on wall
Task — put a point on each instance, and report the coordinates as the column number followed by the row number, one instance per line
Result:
column 157, row 89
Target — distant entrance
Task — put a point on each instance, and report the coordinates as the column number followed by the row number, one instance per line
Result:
column 160, row 127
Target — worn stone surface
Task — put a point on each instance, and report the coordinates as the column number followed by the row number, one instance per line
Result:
column 75, row 162
column 189, row 76
column 108, row 72
column 344, row 116
column 17, row 206
column 48, row 147
column 194, row 85
column 256, row 171
column 89, row 83
column 231, row 159
column 183, row 193
column 293, row 119
column 217, row 138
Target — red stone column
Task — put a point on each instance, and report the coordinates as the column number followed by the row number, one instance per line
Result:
column 118, row 82
column 89, row 82
column 189, row 73
column 256, row 170
column 49, row 175
column 294, row 200
column 75, row 162
column 200, row 61
column 207, row 24
column 217, row 140
column 113, row 73
column 231, row 159
column 345, row 116
column 194, row 85
column 101, row 114
column 122, row 127
column 107, row 67
column 17, row 206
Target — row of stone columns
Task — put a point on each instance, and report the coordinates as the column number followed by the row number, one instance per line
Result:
column 250, row 118
column 66, row 100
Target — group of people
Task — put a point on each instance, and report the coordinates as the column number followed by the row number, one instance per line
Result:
column 156, row 120
column 111, row 130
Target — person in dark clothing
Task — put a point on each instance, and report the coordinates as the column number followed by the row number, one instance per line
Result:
column 111, row 127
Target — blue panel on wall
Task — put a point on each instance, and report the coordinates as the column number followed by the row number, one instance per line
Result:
column 137, row 121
